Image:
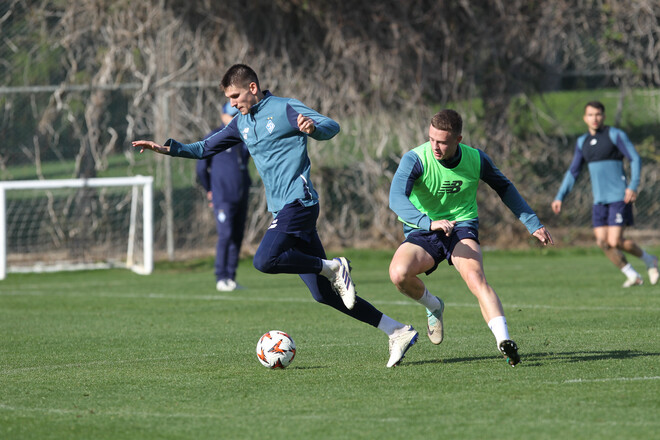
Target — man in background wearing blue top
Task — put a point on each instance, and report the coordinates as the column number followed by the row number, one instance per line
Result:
column 603, row 149
column 276, row 131
column 226, row 179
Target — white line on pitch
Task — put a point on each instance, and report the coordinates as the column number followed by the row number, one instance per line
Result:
column 306, row 298
column 606, row 379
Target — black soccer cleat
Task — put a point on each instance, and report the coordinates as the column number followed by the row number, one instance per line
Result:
column 509, row 350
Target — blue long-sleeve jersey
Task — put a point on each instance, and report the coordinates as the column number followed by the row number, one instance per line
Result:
column 278, row 148
column 411, row 168
column 603, row 153
column 225, row 174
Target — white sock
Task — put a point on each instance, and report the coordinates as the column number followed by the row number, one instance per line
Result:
column 648, row 259
column 389, row 325
column 629, row 272
column 498, row 326
column 329, row 268
column 429, row 301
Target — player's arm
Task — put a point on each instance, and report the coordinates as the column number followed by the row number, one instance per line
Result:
column 570, row 177
column 622, row 142
column 311, row 122
column 409, row 170
column 507, row 191
column 214, row 144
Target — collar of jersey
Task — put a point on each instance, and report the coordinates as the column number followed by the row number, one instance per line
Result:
column 255, row 108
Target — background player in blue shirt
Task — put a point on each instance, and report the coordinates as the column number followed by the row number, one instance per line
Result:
column 603, row 149
column 275, row 131
column 226, row 179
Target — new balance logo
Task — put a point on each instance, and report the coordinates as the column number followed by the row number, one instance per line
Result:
column 450, row 187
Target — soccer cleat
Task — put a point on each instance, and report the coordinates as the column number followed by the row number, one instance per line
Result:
column 653, row 272
column 509, row 350
column 225, row 285
column 342, row 284
column 435, row 330
column 638, row 281
column 400, row 343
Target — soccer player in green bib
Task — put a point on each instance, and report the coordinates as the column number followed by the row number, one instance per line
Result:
column 434, row 193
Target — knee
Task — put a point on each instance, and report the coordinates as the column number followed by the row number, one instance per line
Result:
column 616, row 244
column 476, row 282
column 603, row 244
column 264, row 263
column 398, row 275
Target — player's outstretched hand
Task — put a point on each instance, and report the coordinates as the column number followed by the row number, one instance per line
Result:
column 543, row 235
column 149, row 145
column 305, row 124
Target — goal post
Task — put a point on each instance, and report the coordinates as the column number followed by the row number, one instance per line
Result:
column 75, row 224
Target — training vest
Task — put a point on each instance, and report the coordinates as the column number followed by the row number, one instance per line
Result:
column 447, row 193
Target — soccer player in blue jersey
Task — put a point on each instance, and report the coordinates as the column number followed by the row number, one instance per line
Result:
column 226, row 179
column 434, row 193
column 603, row 149
column 276, row 131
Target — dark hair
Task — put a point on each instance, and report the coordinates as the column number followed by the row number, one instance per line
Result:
column 595, row 104
column 448, row 120
column 239, row 75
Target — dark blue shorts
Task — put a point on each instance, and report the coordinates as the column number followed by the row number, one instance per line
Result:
column 296, row 219
column 612, row 214
column 438, row 245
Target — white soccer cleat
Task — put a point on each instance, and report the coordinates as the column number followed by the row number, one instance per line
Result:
column 343, row 284
column 400, row 343
column 434, row 327
column 225, row 285
column 630, row 282
column 653, row 273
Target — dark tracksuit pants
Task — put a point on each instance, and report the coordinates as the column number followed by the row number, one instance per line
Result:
column 292, row 245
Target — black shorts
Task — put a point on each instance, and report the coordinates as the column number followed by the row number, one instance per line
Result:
column 612, row 214
column 438, row 245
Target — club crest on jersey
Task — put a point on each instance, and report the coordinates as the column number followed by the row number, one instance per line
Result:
column 450, row 187
column 245, row 132
column 270, row 125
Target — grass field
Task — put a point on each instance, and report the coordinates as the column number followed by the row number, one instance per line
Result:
column 114, row 355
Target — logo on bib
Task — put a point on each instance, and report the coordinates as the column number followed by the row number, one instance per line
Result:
column 451, row 187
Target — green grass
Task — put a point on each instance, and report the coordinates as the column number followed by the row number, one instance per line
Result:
column 111, row 354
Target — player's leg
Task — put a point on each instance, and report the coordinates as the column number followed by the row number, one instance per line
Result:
column 602, row 235
column 615, row 244
column 629, row 246
column 223, row 229
column 238, row 218
column 279, row 250
column 408, row 262
column 401, row 336
column 421, row 253
column 468, row 260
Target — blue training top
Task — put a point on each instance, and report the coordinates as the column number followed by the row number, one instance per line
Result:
column 411, row 168
column 278, row 147
column 604, row 153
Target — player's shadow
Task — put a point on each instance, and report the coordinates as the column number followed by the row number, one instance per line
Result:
column 541, row 358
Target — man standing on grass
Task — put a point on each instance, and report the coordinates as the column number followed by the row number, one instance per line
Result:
column 434, row 193
column 603, row 149
column 226, row 179
column 275, row 131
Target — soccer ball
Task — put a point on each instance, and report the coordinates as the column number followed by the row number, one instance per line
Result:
column 276, row 349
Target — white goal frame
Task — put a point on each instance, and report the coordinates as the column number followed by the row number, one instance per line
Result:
column 146, row 182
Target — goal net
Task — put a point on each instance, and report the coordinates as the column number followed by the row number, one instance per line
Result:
column 74, row 224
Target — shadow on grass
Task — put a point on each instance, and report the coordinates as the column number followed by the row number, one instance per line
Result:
column 541, row 358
